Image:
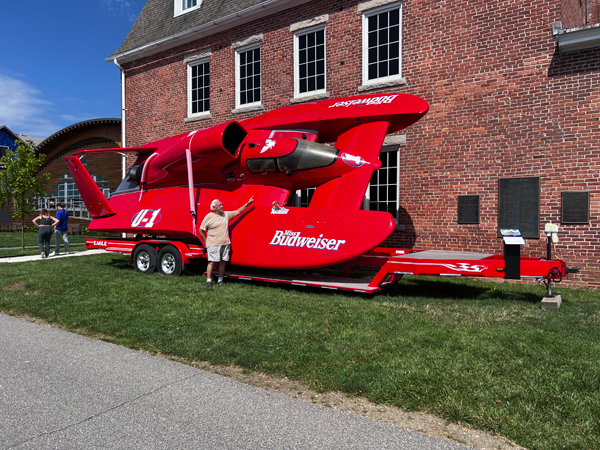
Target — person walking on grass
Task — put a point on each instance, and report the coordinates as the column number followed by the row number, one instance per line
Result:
column 45, row 222
column 61, row 230
column 214, row 231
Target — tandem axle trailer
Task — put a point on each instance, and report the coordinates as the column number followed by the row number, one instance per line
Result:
column 170, row 256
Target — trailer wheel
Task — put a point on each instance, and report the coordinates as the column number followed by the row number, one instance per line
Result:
column 144, row 259
column 169, row 261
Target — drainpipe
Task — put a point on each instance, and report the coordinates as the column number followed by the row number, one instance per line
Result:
column 123, row 110
column 123, row 135
column 587, row 12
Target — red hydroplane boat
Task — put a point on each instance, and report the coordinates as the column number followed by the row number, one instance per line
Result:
column 330, row 145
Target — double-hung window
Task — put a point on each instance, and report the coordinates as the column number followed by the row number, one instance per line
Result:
column 309, row 58
column 382, row 193
column 184, row 6
column 198, row 74
column 248, row 74
column 382, row 44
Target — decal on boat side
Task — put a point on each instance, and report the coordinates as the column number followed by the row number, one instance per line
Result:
column 146, row 218
column 291, row 238
column 366, row 101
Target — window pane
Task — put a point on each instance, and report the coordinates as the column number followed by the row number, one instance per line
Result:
column 373, row 193
column 383, row 20
column 372, row 39
column 383, row 69
column 320, row 37
column 320, row 67
column 383, row 36
column 372, row 23
column 303, row 73
column 394, row 34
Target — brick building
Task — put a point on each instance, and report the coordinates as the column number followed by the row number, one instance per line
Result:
column 511, row 139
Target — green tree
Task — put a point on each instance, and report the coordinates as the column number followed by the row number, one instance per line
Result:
column 18, row 182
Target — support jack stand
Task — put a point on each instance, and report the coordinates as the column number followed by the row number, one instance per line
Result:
column 550, row 301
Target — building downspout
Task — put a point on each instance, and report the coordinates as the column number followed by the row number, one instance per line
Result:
column 123, row 135
column 123, row 111
column 587, row 12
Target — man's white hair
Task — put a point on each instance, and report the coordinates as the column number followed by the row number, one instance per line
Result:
column 214, row 204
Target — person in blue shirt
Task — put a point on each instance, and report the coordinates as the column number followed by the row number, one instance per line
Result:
column 61, row 230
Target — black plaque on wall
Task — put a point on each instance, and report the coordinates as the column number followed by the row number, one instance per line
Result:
column 575, row 207
column 468, row 209
column 519, row 205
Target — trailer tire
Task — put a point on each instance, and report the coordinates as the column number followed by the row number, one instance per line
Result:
column 144, row 259
column 169, row 261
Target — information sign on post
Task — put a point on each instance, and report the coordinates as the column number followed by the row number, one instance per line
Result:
column 512, row 253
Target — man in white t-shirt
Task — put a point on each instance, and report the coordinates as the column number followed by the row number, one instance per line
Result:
column 214, row 231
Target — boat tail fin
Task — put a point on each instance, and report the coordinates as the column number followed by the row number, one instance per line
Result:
column 359, row 146
column 95, row 201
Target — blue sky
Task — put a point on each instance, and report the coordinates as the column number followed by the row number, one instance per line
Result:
column 53, row 71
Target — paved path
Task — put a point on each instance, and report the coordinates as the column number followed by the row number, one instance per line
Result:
column 37, row 257
column 59, row 390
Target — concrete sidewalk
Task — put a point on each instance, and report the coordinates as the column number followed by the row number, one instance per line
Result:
column 37, row 257
column 62, row 390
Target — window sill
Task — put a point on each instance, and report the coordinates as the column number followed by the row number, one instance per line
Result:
column 247, row 109
column 310, row 98
column 382, row 85
column 191, row 119
column 573, row 39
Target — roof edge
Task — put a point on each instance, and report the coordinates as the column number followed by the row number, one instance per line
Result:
column 77, row 125
column 246, row 15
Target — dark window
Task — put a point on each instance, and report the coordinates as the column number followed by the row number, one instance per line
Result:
column 249, row 72
column 383, row 188
column 199, row 89
column 383, row 44
column 311, row 62
column 187, row 4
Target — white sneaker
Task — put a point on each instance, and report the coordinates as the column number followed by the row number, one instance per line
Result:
column 43, row 255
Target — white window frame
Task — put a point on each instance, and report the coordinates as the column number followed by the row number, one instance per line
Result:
column 297, row 35
column 190, row 65
column 298, row 197
column 238, row 52
column 367, row 199
column 178, row 7
column 365, row 44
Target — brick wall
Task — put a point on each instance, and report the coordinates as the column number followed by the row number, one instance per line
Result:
column 503, row 101
column 573, row 13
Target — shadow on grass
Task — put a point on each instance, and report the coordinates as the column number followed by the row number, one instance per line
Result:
column 426, row 288
column 465, row 290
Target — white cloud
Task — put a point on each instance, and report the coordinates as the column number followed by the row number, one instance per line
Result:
column 123, row 7
column 23, row 110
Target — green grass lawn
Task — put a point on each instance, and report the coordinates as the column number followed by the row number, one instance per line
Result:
column 474, row 352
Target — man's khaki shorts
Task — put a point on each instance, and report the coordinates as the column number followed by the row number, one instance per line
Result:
column 219, row 253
